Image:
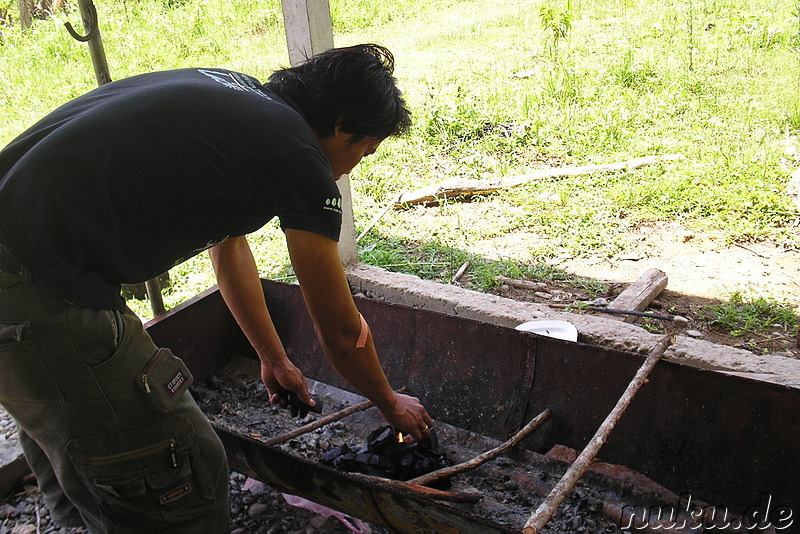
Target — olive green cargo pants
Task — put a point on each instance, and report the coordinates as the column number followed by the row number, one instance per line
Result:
column 109, row 452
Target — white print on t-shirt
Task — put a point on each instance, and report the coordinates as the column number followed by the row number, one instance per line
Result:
column 233, row 81
column 334, row 204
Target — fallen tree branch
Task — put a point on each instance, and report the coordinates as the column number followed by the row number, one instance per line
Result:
column 458, row 187
column 481, row 459
column 521, row 284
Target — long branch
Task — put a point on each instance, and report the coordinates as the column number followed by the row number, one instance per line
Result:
column 542, row 515
column 423, row 491
column 486, row 456
column 458, row 187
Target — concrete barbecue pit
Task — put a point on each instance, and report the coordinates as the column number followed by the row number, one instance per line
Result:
column 505, row 490
column 722, row 439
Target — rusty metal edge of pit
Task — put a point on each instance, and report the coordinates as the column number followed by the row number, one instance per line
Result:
column 396, row 509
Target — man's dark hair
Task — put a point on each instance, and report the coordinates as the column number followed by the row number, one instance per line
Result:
column 351, row 87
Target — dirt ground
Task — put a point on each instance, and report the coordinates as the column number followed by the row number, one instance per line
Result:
column 701, row 271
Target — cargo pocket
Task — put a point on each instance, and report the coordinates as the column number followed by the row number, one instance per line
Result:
column 163, row 380
column 145, row 477
column 24, row 379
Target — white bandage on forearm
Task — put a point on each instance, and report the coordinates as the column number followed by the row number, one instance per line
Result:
column 362, row 337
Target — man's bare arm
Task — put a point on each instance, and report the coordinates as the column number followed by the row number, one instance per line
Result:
column 327, row 294
column 241, row 289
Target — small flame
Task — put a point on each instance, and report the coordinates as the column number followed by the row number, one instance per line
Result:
column 399, row 437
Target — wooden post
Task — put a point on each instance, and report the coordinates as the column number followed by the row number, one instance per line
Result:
column 309, row 31
column 93, row 39
column 96, row 49
column 348, row 250
column 25, row 17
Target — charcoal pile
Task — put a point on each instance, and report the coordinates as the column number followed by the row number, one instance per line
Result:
column 386, row 455
column 510, row 487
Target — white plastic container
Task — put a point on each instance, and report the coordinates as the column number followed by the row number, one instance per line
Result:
column 557, row 329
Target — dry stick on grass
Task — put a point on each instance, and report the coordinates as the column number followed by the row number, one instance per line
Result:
column 322, row 421
column 481, row 459
column 521, row 284
column 753, row 251
column 460, row 272
column 542, row 515
column 458, row 187
column 378, row 216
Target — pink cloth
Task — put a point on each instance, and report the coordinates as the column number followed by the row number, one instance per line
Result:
column 355, row 525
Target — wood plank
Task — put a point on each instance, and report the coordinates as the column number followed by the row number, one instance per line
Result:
column 641, row 293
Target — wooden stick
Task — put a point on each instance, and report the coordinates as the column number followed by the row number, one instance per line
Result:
column 460, row 272
column 751, row 250
column 322, row 421
column 521, row 284
column 423, row 491
column 542, row 515
column 378, row 217
column 457, row 187
column 486, row 456
column 631, row 313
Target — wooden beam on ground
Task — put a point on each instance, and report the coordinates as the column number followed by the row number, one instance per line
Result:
column 456, row 187
column 639, row 295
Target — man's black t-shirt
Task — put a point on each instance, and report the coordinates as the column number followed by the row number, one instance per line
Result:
column 132, row 178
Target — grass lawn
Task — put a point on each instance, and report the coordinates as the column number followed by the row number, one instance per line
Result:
column 499, row 89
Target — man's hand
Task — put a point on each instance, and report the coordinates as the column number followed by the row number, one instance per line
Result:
column 241, row 288
column 344, row 336
column 282, row 380
column 408, row 416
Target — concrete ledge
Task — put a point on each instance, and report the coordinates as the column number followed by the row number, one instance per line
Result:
column 412, row 291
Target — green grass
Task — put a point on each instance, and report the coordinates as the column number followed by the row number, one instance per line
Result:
column 497, row 89
column 742, row 315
